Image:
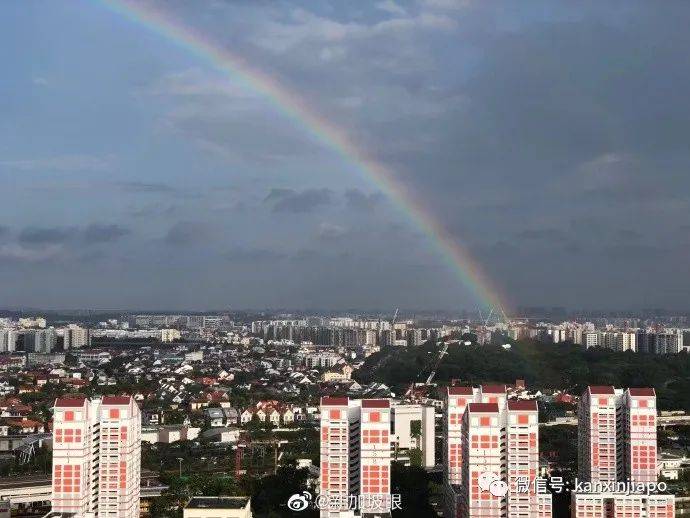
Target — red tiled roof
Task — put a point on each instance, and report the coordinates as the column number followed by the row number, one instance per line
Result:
column 23, row 423
column 522, row 406
column 460, row 391
column 334, row 401
column 493, row 389
column 116, row 400
column 376, row 403
column 483, row 407
column 70, row 402
column 601, row 389
column 645, row 392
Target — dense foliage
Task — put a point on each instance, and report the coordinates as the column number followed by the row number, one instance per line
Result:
column 558, row 366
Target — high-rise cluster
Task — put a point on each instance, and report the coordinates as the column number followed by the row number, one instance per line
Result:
column 96, row 456
column 489, row 438
column 617, row 455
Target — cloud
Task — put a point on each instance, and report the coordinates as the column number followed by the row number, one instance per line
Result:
column 391, row 7
column 304, row 27
column 196, row 82
column 253, row 255
column 628, row 233
column 635, row 252
column 47, row 235
column 103, row 233
column 146, row 187
column 187, row 232
column 95, row 233
column 506, row 123
column 61, row 163
column 359, row 200
column 543, row 234
column 16, row 252
column 445, row 4
column 298, row 202
column 330, row 231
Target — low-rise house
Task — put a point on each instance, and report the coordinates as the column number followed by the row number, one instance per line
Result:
column 215, row 417
column 222, row 435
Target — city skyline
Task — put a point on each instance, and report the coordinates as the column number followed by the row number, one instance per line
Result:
column 555, row 171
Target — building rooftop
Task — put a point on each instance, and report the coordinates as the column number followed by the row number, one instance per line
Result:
column 523, row 406
column 218, row 502
column 483, row 407
column 116, row 400
column 601, row 389
column 493, row 389
column 460, row 391
column 338, row 401
column 645, row 392
column 70, row 402
column 376, row 403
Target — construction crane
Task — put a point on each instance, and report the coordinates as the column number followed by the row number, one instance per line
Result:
column 443, row 352
column 486, row 322
column 492, row 310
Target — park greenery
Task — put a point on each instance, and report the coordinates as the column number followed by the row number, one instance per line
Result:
column 543, row 366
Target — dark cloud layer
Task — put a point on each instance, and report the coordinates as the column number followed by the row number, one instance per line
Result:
column 185, row 233
column 289, row 200
column 47, row 235
column 548, row 138
column 104, row 233
column 359, row 200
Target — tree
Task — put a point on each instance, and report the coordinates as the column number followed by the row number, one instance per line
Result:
column 415, row 457
column 412, row 484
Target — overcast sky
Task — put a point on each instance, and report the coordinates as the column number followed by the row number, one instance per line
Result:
column 552, row 139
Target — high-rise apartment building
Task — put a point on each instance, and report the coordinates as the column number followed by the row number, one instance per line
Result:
column 8, row 340
column 75, row 337
column 618, row 340
column 617, row 446
column 355, row 455
column 617, row 435
column 489, row 435
column 40, row 340
column 619, row 505
column 664, row 342
column 597, row 435
column 97, row 456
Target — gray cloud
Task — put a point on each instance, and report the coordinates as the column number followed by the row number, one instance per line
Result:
column 104, row 233
column 185, row 233
column 359, row 200
column 94, row 233
column 146, row 187
column 47, row 235
column 253, row 255
column 548, row 138
column 331, row 231
column 61, row 163
column 543, row 234
column 290, row 200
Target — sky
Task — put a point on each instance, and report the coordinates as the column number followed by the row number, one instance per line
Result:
column 549, row 139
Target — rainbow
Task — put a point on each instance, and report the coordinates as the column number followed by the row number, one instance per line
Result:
column 323, row 130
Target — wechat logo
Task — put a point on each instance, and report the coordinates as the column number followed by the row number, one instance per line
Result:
column 493, row 484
